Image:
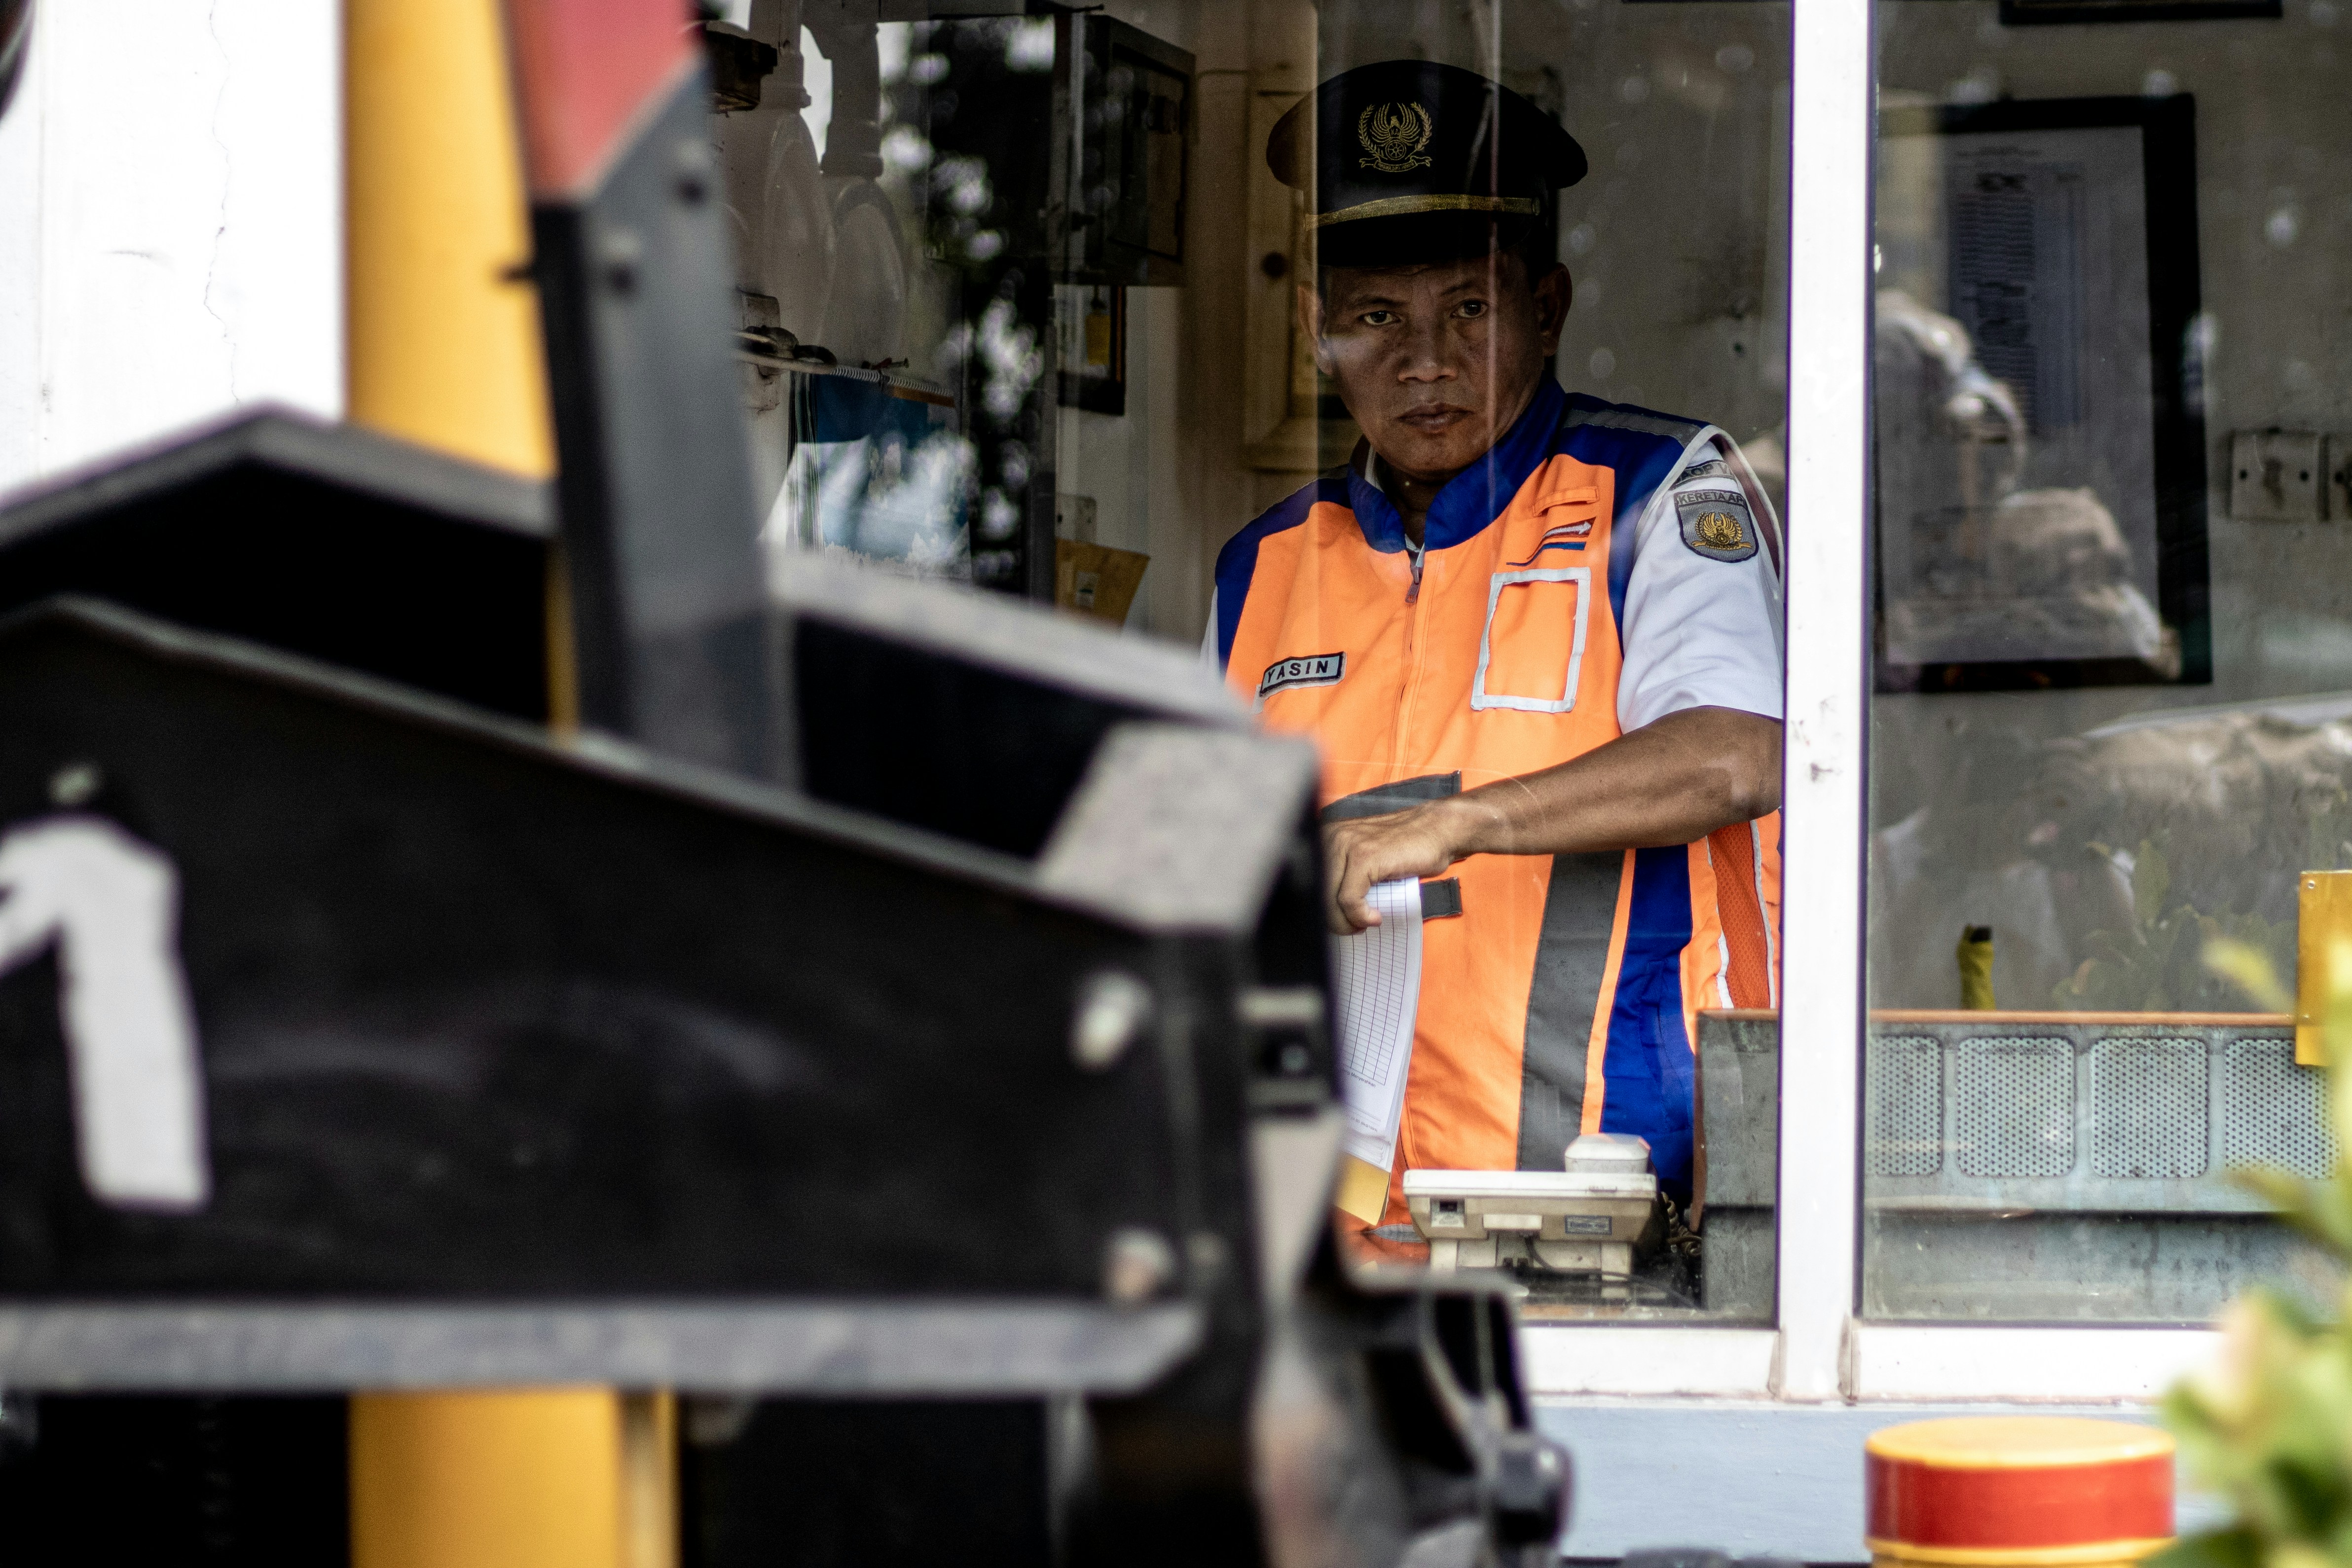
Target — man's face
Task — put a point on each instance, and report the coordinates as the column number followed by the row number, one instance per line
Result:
column 1435, row 362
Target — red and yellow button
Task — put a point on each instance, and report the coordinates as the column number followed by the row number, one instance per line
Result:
column 2016, row 1491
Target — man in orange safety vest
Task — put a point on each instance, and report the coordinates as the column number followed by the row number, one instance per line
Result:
column 1536, row 635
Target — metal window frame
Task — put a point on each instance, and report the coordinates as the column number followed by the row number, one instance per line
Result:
column 1819, row 1349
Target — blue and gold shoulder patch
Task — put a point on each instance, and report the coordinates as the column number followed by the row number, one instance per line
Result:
column 1716, row 523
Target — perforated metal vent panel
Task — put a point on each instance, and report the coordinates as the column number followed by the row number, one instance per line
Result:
column 1907, row 1107
column 2014, row 1108
column 2272, row 1112
column 2147, row 1108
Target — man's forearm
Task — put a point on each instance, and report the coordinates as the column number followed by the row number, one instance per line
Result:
column 1671, row 782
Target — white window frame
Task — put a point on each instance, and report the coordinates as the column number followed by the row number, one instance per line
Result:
column 1819, row 1349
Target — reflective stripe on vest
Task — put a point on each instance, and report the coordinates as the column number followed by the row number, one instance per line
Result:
column 1561, row 972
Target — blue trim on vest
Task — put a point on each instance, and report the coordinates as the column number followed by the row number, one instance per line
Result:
column 1644, row 460
column 1237, row 562
column 1648, row 1064
column 1376, row 514
column 1473, row 498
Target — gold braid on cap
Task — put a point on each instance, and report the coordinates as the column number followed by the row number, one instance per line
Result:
column 1404, row 206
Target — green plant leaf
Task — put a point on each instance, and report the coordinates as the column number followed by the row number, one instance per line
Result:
column 2249, row 966
column 2237, row 1548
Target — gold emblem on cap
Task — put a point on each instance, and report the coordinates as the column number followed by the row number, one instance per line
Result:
column 1720, row 530
column 1395, row 134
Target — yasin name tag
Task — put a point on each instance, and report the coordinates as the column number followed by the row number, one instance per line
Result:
column 1313, row 670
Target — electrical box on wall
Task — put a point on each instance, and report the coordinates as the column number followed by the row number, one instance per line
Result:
column 1074, row 517
column 1134, row 96
column 2289, row 476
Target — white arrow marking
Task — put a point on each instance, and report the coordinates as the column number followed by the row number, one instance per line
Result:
column 110, row 906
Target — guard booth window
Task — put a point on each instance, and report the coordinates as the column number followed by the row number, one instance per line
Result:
column 1064, row 306
column 960, row 249
column 1639, row 1007
column 2109, row 740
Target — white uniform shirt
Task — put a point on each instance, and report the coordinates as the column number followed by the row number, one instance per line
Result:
column 1697, row 631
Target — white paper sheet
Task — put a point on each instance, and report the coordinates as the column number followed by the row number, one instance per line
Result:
column 1377, row 974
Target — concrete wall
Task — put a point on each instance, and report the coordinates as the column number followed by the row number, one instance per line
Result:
column 170, row 223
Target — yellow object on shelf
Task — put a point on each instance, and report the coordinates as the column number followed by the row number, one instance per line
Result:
column 1976, row 969
column 2323, row 959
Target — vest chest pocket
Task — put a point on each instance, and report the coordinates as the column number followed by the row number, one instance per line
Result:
column 1532, row 652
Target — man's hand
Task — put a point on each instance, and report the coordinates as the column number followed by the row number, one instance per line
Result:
column 1671, row 782
column 1417, row 841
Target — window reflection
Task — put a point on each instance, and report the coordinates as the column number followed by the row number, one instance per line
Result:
column 889, row 197
column 1019, row 307
column 1675, row 312
column 2112, row 729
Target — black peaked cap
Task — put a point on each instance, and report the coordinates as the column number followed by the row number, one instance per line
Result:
column 1410, row 161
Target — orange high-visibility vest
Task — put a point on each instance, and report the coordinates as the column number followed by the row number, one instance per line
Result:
column 1563, row 997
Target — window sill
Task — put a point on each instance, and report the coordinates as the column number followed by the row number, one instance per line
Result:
column 1659, row 1360
column 2074, row 1365
column 1884, row 1362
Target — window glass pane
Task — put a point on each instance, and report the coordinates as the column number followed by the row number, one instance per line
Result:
column 2110, row 732
column 1441, row 407
column 1605, row 991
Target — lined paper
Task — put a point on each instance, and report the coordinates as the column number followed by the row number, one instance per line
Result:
column 1377, row 974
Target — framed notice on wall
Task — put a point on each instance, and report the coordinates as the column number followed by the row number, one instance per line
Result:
column 2039, row 453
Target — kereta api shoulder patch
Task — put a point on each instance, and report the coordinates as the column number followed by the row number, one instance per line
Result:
column 1716, row 523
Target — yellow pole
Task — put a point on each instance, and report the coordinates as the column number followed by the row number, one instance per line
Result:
column 533, row 1480
column 444, row 330
column 443, row 350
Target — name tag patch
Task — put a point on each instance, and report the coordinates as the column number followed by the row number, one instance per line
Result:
column 1312, row 670
column 1717, row 523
